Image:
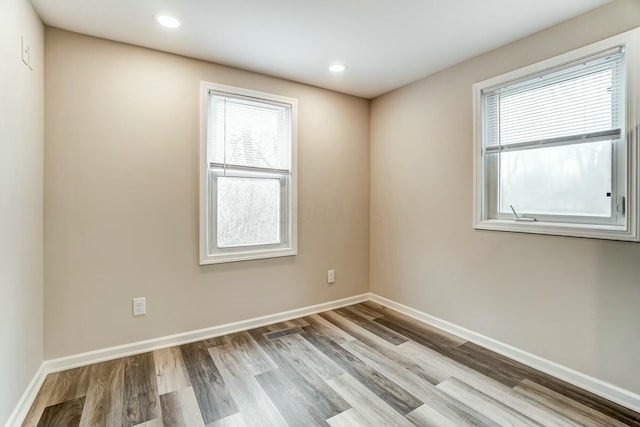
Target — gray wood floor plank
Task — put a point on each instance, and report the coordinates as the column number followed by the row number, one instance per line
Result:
column 371, row 326
column 382, row 346
column 309, row 383
column 294, row 405
column 496, row 390
column 395, row 396
column 349, row 418
column 374, row 410
column 355, row 330
column 436, row 365
column 140, row 392
column 105, row 395
column 330, row 330
column 171, row 374
column 287, row 324
column 41, row 401
column 442, row 368
column 306, row 356
column 235, row 420
column 486, row 405
column 427, row 392
column 69, row 385
column 65, row 414
column 364, row 311
column 300, row 322
column 313, row 385
column 512, row 372
column 488, row 363
column 250, row 352
column 214, row 399
column 598, row 404
column 180, row 409
column 572, row 409
column 378, row 308
column 446, row 339
column 254, row 404
column 156, row 422
column 427, row 416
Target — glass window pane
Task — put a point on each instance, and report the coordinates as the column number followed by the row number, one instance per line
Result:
column 564, row 180
column 248, row 211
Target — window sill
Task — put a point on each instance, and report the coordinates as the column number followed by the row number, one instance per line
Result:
column 220, row 258
column 591, row 231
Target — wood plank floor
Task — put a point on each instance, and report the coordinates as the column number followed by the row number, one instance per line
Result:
column 363, row 365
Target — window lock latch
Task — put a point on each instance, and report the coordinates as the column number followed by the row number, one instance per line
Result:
column 521, row 218
column 620, row 204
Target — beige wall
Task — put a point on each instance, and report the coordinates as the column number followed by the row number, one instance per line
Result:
column 573, row 301
column 121, row 185
column 121, row 210
column 21, row 148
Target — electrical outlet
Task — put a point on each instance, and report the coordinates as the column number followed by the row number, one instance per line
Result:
column 139, row 306
column 331, row 276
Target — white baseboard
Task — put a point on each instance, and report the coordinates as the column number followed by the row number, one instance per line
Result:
column 601, row 388
column 24, row 404
column 83, row 359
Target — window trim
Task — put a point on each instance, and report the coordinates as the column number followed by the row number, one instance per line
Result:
column 627, row 231
column 207, row 173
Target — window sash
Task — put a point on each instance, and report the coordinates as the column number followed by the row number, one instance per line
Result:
column 219, row 133
column 492, row 193
column 493, row 109
column 285, row 203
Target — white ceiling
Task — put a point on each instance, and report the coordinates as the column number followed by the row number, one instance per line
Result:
column 385, row 43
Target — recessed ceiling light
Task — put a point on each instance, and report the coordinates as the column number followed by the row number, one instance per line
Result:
column 166, row 20
column 337, row 68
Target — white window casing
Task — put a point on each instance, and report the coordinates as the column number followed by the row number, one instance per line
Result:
column 556, row 144
column 247, row 175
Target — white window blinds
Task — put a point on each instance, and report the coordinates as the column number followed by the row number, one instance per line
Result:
column 580, row 102
column 249, row 134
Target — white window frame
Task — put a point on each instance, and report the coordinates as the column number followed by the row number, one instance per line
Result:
column 485, row 218
column 210, row 253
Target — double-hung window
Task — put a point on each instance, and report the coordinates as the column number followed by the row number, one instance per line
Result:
column 555, row 145
column 247, row 175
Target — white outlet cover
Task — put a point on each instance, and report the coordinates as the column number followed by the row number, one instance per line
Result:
column 139, row 306
column 331, row 276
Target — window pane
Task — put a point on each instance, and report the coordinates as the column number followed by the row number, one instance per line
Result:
column 248, row 211
column 250, row 133
column 565, row 180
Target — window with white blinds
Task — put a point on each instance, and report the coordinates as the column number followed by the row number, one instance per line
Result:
column 247, row 175
column 552, row 145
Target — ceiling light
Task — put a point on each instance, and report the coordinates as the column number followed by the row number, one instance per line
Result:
column 337, row 68
column 166, row 20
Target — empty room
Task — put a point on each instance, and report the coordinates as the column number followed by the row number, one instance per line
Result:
column 320, row 213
